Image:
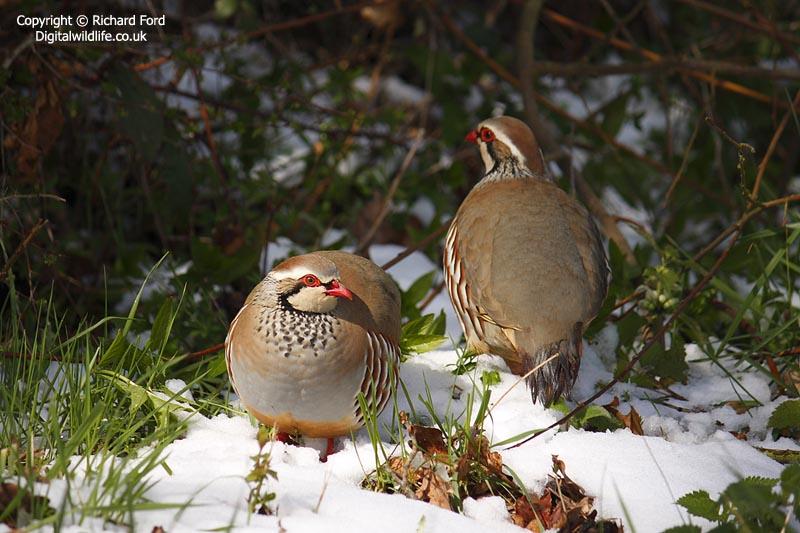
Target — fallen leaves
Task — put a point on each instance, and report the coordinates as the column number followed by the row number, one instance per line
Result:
column 563, row 505
column 632, row 420
column 444, row 471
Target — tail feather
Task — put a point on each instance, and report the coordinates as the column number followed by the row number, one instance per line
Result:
column 556, row 377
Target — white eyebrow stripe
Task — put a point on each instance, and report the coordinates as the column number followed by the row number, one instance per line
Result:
column 501, row 136
column 297, row 272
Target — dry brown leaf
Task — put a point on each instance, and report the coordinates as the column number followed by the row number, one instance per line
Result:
column 632, row 420
column 9, row 493
column 522, row 512
column 739, row 407
column 791, row 378
column 35, row 135
column 397, row 464
column 428, row 440
column 384, row 14
column 433, row 489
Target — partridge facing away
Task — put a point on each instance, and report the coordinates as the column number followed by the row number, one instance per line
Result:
column 318, row 330
column 524, row 263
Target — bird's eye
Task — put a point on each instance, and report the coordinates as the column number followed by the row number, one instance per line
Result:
column 487, row 135
column 311, row 281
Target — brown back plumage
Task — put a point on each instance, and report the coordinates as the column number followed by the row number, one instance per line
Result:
column 524, row 262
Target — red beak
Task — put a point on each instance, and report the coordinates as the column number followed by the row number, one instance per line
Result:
column 472, row 136
column 339, row 290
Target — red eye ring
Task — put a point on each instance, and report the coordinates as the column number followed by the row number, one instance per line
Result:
column 487, row 135
column 311, row 280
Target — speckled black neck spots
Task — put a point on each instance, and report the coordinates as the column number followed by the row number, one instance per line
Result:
column 506, row 168
column 299, row 334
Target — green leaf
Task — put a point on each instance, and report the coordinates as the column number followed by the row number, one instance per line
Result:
column 628, row 329
column 490, row 377
column 786, row 415
column 686, row 528
column 668, row 364
column 137, row 394
column 699, row 503
column 162, row 325
column 421, row 343
column 590, row 418
column 753, row 498
column 790, row 483
column 429, row 324
column 415, row 293
column 727, row 527
column 225, row 8
column 216, row 367
column 211, row 264
column 116, row 351
column 423, row 334
column 597, row 418
column 616, row 114
column 139, row 115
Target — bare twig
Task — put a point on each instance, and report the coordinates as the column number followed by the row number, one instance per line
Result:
column 355, row 127
column 202, row 353
column 742, row 20
column 212, row 146
column 22, row 246
column 590, row 70
column 286, row 25
column 762, row 167
column 387, row 200
column 421, row 244
column 652, row 56
column 684, row 162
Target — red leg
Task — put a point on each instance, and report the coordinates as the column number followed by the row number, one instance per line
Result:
column 328, row 451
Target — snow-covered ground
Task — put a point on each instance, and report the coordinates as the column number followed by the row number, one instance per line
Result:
column 634, row 478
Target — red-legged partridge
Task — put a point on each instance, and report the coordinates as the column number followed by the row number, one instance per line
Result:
column 524, row 262
column 317, row 331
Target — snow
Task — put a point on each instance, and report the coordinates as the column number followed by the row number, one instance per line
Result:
column 633, row 478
